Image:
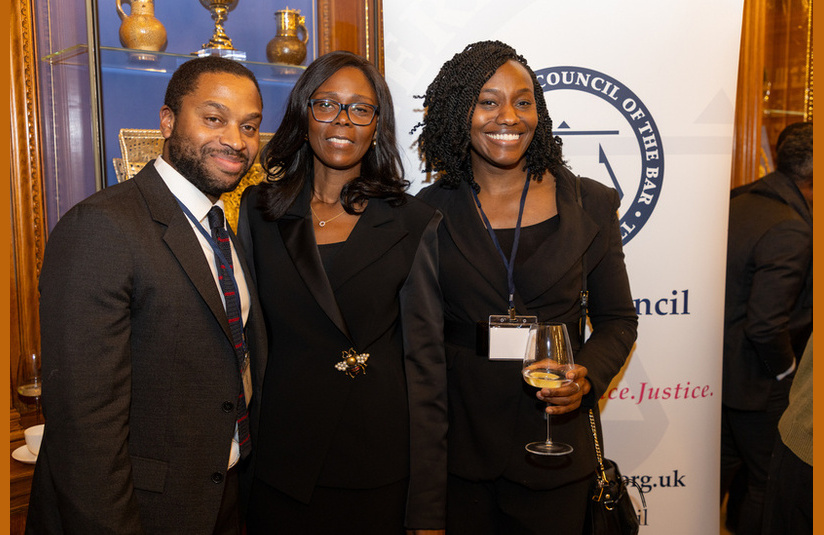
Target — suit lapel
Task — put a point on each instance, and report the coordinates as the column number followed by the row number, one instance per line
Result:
column 470, row 236
column 181, row 240
column 553, row 258
column 371, row 238
column 563, row 249
column 299, row 239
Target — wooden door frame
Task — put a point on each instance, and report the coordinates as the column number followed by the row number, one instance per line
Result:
column 28, row 218
column 749, row 102
column 353, row 25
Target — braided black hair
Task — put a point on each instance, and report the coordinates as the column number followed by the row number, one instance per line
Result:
column 449, row 103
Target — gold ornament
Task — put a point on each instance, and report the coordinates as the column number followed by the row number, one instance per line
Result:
column 353, row 362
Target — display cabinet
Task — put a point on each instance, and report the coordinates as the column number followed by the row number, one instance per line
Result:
column 91, row 87
column 73, row 87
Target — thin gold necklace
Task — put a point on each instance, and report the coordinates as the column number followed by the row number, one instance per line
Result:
column 321, row 222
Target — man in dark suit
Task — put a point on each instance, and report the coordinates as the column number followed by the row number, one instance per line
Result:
column 145, row 383
column 768, row 315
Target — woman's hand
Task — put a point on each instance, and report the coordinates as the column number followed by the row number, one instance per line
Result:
column 567, row 398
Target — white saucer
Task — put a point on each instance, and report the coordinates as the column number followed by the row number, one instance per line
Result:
column 23, row 455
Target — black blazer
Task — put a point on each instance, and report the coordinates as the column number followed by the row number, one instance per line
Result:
column 492, row 412
column 769, row 288
column 140, row 375
column 317, row 426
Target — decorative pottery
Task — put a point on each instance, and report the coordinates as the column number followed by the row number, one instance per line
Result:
column 140, row 29
column 287, row 47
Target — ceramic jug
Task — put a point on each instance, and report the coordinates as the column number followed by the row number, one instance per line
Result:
column 287, row 47
column 140, row 29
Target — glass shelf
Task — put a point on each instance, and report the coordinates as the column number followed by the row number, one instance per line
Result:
column 74, row 55
column 164, row 62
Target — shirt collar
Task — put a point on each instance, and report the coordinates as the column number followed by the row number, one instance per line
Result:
column 187, row 193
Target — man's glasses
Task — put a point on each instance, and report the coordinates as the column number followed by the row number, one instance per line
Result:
column 325, row 110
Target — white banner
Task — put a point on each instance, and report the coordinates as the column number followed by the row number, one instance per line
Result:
column 642, row 93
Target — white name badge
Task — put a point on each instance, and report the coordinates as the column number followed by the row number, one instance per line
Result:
column 508, row 336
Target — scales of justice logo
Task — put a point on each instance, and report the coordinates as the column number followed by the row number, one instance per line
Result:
column 612, row 138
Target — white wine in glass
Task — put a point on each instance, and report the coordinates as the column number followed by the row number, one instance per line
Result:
column 547, row 360
column 29, row 382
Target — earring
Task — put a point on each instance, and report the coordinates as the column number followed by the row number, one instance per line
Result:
column 374, row 142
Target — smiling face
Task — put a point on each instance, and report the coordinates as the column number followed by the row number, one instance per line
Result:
column 341, row 145
column 214, row 137
column 504, row 120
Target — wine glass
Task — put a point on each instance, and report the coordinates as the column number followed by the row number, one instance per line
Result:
column 29, row 382
column 547, row 360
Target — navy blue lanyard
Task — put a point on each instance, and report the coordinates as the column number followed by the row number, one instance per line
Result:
column 510, row 264
column 218, row 254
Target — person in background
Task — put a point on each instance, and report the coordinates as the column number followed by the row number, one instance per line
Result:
column 352, row 420
column 503, row 187
column 768, row 316
column 789, row 500
column 146, row 383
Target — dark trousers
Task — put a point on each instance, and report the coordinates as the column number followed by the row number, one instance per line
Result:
column 788, row 508
column 336, row 511
column 747, row 440
column 502, row 507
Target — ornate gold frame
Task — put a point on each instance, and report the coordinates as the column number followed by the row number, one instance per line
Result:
column 28, row 216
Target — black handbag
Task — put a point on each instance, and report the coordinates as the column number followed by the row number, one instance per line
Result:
column 610, row 510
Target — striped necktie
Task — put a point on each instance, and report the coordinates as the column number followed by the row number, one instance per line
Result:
column 233, row 314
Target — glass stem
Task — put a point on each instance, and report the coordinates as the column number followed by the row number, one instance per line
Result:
column 548, row 427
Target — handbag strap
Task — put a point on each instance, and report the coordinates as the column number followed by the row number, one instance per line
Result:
column 603, row 481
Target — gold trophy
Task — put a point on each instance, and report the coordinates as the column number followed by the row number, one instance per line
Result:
column 220, row 44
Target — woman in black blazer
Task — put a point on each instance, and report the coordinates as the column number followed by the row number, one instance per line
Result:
column 487, row 133
column 351, row 431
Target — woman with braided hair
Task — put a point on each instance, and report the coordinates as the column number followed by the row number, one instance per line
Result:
column 517, row 238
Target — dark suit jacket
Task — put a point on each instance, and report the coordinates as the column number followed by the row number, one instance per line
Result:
column 140, row 376
column 317, row 425
column 769, row 288
column 492, row 412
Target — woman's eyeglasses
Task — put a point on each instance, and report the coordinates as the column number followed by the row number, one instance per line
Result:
column 325, row 110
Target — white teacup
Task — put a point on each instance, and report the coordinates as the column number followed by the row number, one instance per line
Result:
column 34, row 435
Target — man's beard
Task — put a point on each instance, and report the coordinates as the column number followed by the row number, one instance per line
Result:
column 185, row 159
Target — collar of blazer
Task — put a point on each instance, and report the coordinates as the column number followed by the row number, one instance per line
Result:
column 780, row 186
column 181, row 240
column 377, row 231
column 553, row 258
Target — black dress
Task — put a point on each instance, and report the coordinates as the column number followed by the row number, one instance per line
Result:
column 373, row 443
column 492, row 412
